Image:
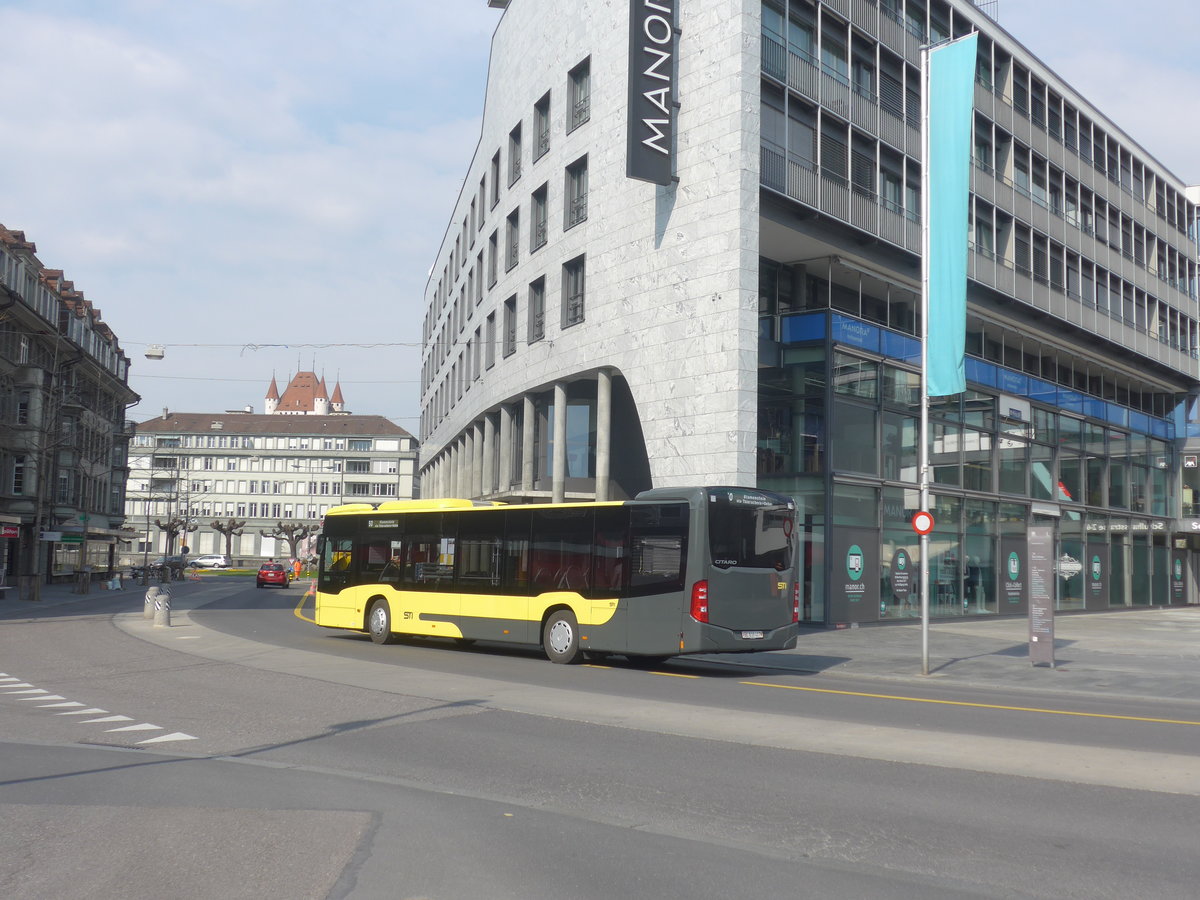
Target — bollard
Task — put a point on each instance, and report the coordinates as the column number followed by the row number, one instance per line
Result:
column 162, row 609
column 151, row 596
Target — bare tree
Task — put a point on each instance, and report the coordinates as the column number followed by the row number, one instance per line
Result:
column 174, row 527
column 293, row 533
column 231, row 528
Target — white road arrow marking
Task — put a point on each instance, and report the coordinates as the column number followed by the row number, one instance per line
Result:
column 83, row 712
column 30, row 691
column 57, row 705
column 47, row 697
column 108, row 719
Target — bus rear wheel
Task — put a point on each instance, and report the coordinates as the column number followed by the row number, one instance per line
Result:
column 560, row 638
column 379, row 623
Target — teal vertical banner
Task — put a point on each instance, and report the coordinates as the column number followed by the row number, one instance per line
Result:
column 951, row 89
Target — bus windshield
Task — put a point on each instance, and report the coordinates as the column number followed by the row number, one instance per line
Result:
column 750, row 529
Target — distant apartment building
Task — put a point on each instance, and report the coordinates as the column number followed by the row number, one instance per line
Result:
column 63, row 443
column 687, row 251
column 196, row 477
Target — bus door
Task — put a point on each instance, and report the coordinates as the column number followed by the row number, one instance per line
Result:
column 751, row 570
column 334, row 576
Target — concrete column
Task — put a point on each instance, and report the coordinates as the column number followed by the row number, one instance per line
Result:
column 603, row 432
column 451, row 475
column 528, row 426
column 504, row 481
column 489, row 455
column 469, row 467
column 477, row 461
column 558, row 489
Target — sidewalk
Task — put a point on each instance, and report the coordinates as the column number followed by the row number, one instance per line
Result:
column 59, row 595
column 1150, row 653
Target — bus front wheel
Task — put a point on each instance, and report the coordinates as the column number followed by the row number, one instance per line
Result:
column 379, row 623
column 560, row 637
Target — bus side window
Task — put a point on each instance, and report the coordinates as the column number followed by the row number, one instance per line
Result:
column 562, row 550
column 657, row 544
column 610, row 549
column 518, row 562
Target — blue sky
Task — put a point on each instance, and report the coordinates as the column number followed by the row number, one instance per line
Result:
column 257, row 183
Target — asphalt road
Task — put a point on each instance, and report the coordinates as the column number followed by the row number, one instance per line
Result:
column 289, row 761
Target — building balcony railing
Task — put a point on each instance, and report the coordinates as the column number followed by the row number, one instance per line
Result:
column 855, row 204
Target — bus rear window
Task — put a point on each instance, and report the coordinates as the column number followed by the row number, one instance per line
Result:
column 751, row 529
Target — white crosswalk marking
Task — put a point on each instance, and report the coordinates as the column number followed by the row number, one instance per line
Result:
column 23, row 690
column 173, row 736
column 145, row 726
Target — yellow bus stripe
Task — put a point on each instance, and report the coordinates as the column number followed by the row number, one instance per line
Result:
column 1033, row 709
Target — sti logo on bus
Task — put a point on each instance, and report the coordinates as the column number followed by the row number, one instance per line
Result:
column 854, row 562
column 651, row 113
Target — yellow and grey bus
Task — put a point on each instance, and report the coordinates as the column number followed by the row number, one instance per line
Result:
column 673, row 571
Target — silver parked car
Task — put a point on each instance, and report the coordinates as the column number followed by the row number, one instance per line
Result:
column 211, row 561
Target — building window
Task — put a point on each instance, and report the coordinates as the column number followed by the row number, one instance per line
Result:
column 360, row 445
column 495, row 175
column 512, row 238
column 572, row 294
column 537, row 310
column 576, row 193
column 493, row 252
column 18, row 476
column 510, row 326
column 514, row 154
column 490, row 336
column 541, row 127
column 537, row 227
column 23, row 407
column 579, row 94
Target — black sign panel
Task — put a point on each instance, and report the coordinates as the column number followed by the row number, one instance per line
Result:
column 1014, row 577
column 652, row 91
column 854, row 575
column 1041, row 596
column 1179, row 593
column 1095, row 575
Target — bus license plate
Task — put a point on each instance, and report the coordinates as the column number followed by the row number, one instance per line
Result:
column 752, row 635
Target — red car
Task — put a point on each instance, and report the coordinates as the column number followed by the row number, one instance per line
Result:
column 272, row 573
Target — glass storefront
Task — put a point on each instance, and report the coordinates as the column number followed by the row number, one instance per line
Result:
column 1010, row 451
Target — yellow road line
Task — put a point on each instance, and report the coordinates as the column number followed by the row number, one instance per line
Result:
column 1033, row 709
column 300, row 605
column 673, row 675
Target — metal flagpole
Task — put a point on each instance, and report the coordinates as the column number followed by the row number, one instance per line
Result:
column 923, row 443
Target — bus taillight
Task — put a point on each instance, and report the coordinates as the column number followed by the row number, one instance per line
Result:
column 796, row 602
column 699, row 609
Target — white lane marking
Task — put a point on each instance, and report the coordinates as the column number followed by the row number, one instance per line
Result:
column 58, row 705
column 83, row 712
column 184, row 637
column 22, row 684
column 30, row 691
column 145, row 726
column 9, row 678
column 47, row 697
column 108, row 719
column 173, row 736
